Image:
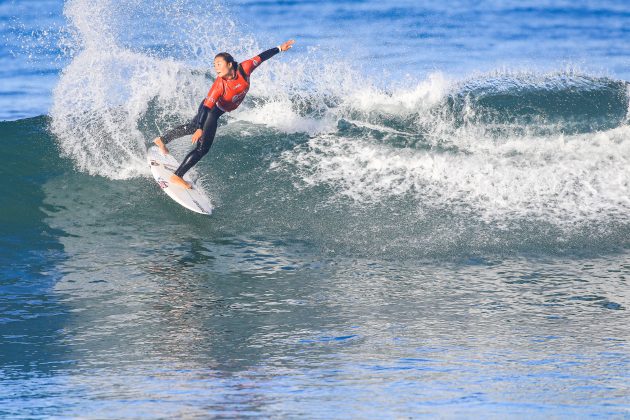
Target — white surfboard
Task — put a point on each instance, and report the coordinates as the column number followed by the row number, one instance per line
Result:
column 162, row 167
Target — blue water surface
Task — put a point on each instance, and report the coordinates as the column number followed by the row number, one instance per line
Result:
column 461, row 252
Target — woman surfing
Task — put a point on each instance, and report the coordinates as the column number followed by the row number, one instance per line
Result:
column 225, row 95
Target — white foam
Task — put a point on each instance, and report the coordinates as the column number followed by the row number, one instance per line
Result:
column 560, row 179
column 411, row 97
column 280, row 115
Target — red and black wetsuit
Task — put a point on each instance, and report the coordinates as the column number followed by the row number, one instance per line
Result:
column 225, row 95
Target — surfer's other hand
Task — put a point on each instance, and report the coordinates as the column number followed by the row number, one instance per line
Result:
column 287, row 45
column 196, row 135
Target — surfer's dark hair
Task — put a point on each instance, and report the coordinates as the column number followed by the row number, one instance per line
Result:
column 227, row 57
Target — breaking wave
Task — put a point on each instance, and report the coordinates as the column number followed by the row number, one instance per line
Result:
column 500, row 148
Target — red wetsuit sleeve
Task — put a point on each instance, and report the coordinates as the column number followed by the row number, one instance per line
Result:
column 250, row 65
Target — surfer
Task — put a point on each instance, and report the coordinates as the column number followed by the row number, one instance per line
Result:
column 225, row 95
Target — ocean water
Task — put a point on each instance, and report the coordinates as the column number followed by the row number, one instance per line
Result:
column 421, row 210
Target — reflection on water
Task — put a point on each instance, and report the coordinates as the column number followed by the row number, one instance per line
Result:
column 193, row 323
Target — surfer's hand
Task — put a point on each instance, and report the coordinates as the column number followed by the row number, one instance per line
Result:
column 287, row 45
column 196, row 136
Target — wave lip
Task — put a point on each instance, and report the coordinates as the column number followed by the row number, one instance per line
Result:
column 567, row 102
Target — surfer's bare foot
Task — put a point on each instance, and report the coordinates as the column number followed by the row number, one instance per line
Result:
column 180, row 181
column 159, row 143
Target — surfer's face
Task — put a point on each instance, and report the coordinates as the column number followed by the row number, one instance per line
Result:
column 222, row 67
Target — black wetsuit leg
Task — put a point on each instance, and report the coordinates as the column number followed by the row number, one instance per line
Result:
column 203, row 144
column 179, row 131
column 188, row 128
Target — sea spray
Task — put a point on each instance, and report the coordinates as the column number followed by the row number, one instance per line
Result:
column 110, row 86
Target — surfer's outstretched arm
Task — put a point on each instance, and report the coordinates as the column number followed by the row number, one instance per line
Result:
column 249, row 65
column 266, row 55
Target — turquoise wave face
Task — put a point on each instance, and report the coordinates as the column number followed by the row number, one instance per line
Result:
column 30, row 250
column 32, row 159
column 542, row 104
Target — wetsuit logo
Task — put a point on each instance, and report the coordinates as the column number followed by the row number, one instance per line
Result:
column 163, row 184
column 239, row 97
